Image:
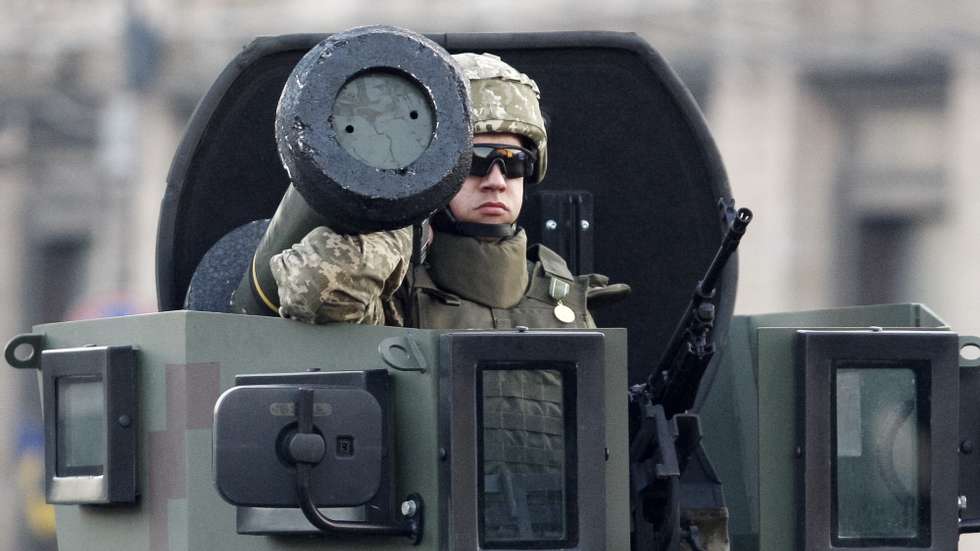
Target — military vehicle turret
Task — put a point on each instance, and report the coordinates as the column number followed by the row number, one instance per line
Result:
column 199, row 428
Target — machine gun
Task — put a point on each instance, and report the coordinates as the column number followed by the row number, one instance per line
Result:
column 663, row 438
column 674, row 383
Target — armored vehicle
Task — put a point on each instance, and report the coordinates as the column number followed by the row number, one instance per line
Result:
column 198, row 428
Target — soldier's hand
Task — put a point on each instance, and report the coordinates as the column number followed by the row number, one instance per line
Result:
column 332, row 277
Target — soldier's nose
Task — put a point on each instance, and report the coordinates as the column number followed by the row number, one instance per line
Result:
column 494, row 180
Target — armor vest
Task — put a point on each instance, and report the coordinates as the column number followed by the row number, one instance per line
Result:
column 434, row 307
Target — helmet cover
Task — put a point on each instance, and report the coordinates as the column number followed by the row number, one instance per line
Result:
column 505, row 100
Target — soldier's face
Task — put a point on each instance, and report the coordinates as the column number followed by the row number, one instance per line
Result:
column 490, row 199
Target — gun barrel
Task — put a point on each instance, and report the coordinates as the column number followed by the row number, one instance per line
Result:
column 661, row 379
column 728, row 245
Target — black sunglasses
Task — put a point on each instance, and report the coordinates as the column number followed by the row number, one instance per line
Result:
column 514, row 160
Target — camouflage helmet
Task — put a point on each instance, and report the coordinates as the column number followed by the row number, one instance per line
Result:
column 505, row 100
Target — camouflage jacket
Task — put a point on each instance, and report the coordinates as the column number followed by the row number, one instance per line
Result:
column 329, row 277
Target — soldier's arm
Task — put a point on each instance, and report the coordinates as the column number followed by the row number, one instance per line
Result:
column 330, row 277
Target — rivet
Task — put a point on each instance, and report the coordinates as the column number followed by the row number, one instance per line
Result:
column 409, row 508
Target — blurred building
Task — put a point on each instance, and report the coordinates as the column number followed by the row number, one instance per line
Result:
column 849, row 126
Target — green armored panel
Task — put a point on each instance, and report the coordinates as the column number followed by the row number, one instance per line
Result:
column 617, row 444
column 748, row 414
column 185, row 360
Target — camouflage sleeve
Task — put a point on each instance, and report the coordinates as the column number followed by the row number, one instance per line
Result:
column 330, row 277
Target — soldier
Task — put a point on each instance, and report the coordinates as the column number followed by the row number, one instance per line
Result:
column 478, row 273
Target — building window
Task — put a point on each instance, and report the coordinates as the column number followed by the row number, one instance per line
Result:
column 891, row 181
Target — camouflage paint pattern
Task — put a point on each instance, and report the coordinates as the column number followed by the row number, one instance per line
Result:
column 191, row 391
column 331, row 277
column 505, row 100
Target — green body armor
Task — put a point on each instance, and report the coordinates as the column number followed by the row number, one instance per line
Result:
column 493, row 286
